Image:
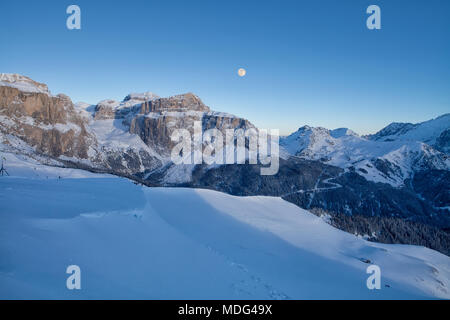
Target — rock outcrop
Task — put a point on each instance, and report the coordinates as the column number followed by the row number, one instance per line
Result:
column 48, row 123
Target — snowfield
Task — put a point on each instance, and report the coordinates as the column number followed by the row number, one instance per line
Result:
column 175, row 243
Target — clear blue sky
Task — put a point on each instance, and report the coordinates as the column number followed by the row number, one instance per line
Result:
column 308, row 62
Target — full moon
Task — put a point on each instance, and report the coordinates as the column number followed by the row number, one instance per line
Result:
column 242, row 72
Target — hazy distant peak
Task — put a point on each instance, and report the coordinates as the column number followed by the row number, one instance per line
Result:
column 22, row 83
column 340, row 132
column 144, row 96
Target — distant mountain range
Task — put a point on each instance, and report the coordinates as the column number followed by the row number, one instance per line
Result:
column 392, row 186
column 393, row 155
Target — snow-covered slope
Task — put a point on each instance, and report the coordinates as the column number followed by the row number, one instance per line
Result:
column 164, row 243
column 23, row 166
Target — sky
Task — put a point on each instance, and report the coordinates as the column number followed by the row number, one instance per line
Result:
column 308, row 62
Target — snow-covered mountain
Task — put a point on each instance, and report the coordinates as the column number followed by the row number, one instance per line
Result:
column 435, row 132
column 177, row 243
column 390, row 156
column 22, row 83
column 131, row 137
column 427, row 131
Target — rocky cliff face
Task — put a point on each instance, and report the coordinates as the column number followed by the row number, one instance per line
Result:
column 48, row 123
column 178, row 103
column 156, row 128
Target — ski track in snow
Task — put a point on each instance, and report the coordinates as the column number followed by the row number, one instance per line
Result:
column 316, row 189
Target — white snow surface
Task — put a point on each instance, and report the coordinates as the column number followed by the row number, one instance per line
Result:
column 23, row 166
column 176, row 243
column 22, row 83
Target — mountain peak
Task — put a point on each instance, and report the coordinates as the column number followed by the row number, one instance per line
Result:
column 144, row 96
column 180, row 102
column 427, row 131
column 304, row 128
column 340, row 132
column 22, row 83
